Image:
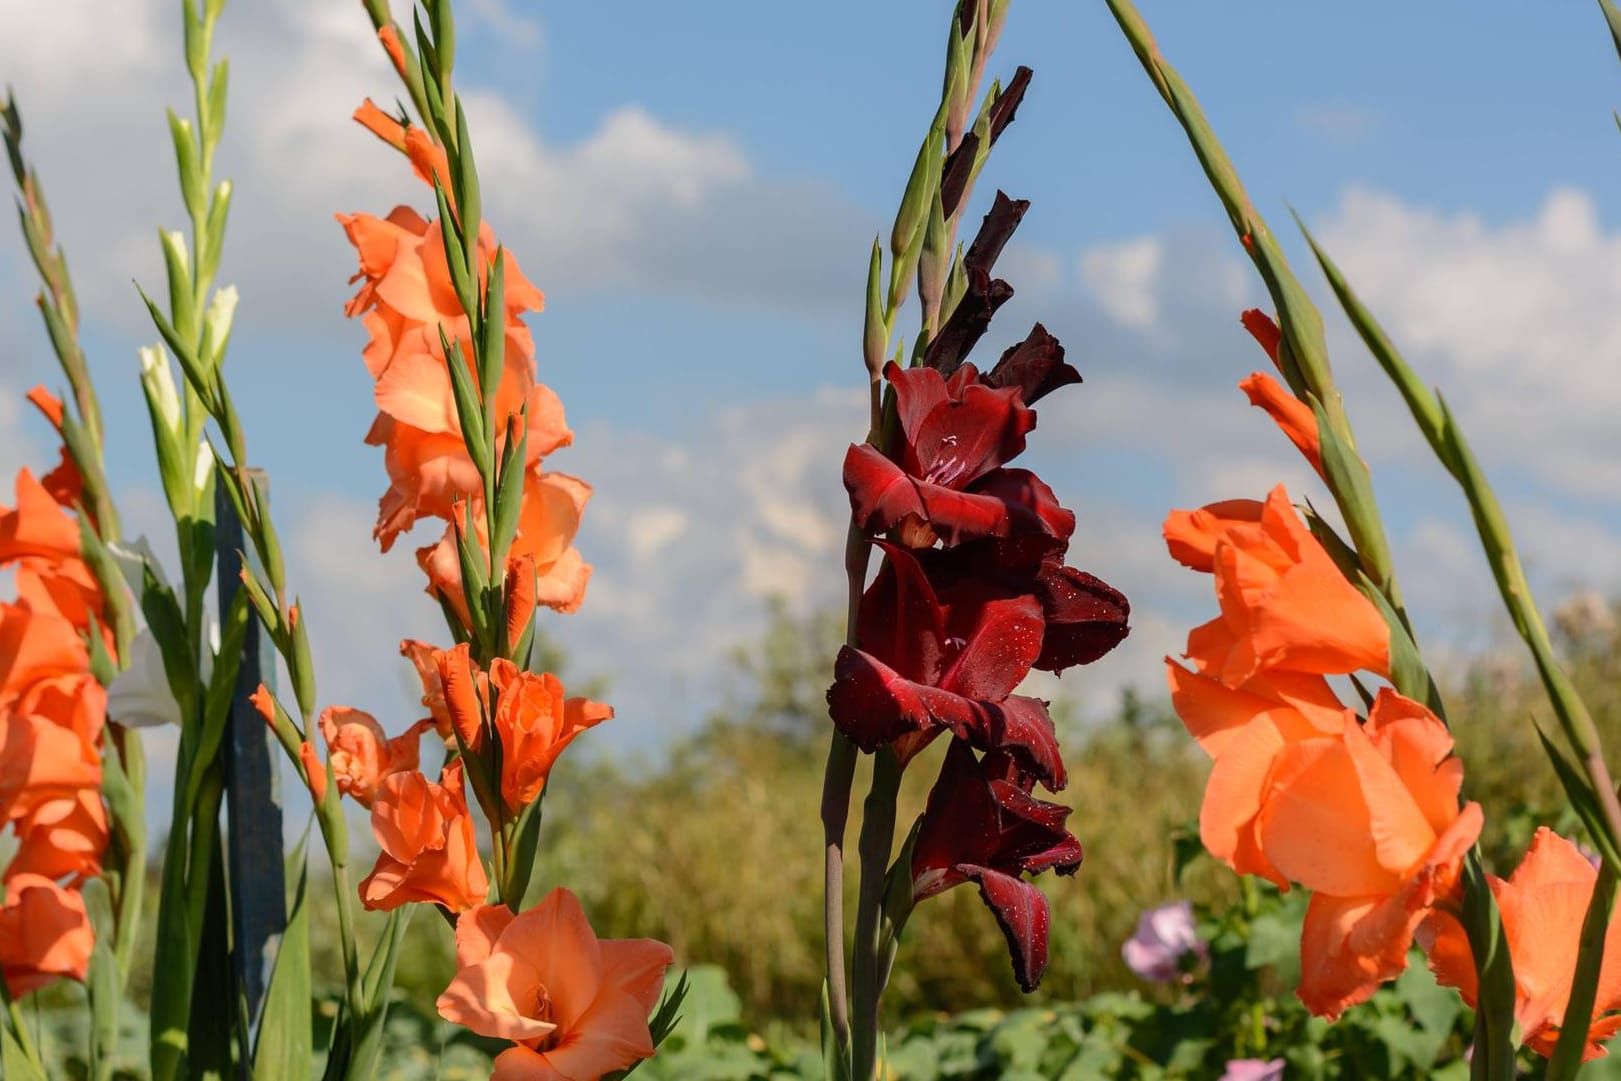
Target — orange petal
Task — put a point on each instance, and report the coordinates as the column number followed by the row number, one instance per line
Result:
column 1263, row 330
column 1292, row 415
column 314, row 769
column 1191, row 535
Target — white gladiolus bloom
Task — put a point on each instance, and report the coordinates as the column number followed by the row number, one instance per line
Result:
column 140, row 696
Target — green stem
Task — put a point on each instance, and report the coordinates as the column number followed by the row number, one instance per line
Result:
column 867, row 975
column 19, row 1027
column 335, row 836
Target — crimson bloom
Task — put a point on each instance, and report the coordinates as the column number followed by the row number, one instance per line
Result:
column 983, row 826
column 948, row 480
column 936, row 661
column 1085, row 617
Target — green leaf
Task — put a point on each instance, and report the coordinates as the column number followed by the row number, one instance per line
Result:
column 221, row 689
column 521, row 861
column 14, row 1061
column 1420, row 401
column 492, row 325
column 835, row 1059
column 285, row 1044
column 1612, row 16
column 469, row 407
column 1583, row 800
column 168, row 629
column 1494, row 1044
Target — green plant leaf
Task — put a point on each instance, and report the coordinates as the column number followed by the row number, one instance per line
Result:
column 285, row 1044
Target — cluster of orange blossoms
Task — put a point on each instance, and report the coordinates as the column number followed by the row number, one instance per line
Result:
column 406, row 300
column 573, row 1006
column 52, row 711
column 1364, row 814
column 1363, row 811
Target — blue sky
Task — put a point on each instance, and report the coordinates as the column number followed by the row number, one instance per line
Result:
column 695, row 186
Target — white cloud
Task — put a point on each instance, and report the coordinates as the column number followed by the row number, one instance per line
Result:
column 1518, row 323
column 623, row 207
column 1124, row 276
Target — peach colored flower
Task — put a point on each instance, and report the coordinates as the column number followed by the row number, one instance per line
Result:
column 535, row 722
column 61, row 838
column 429, row 845
column 361, row 753
column 45, row 934
column 314, row 771
column 529, row 714
column 421, row 655
column 574, row 1006
column 1542, row 904
column 552, row 506
column 1370, row 822
column 36, row 646
column 37, row 528
column 48, row 745
column 1284, row 604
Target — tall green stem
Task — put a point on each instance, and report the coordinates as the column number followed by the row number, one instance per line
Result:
column 868, row 970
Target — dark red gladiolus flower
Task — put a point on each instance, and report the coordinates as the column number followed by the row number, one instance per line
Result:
column 1085, row 616
column 946, row 480
column 930, row 661
column 982, row 825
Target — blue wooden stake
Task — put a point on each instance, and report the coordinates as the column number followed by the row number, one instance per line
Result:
column 254, row 857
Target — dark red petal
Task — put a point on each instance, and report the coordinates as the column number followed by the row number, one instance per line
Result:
column 917, row 392
column 1022, row 912
column 968, row 322
column 1031, row 505
column 1022, row 727
column 901, row 621
column 1035, row 366
column 1004, row 642
column 963, row 438
column 871, row 703
column 994, row 232
column 880, row 493
column 1033, row 835
column 962, row 516
column 960, row 820
column 1086, row 617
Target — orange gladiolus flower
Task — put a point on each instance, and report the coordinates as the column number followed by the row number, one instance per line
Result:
column 1542, row 904
column 361, row 753
column 45, row 934
column 37, row 528
column 535, row 723
column 1285, row 606
column 1370, row 822
column 1246, row 730
column 45, row 752
column 36, row 646
column 575, row 1006
column 429, row 846
column 421, row 655
column 428, row 160
column 531, row 718
column 60, row 838
column 552, row 506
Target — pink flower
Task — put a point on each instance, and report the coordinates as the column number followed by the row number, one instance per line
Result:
column 1254, row 1069
column 1165, row 934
